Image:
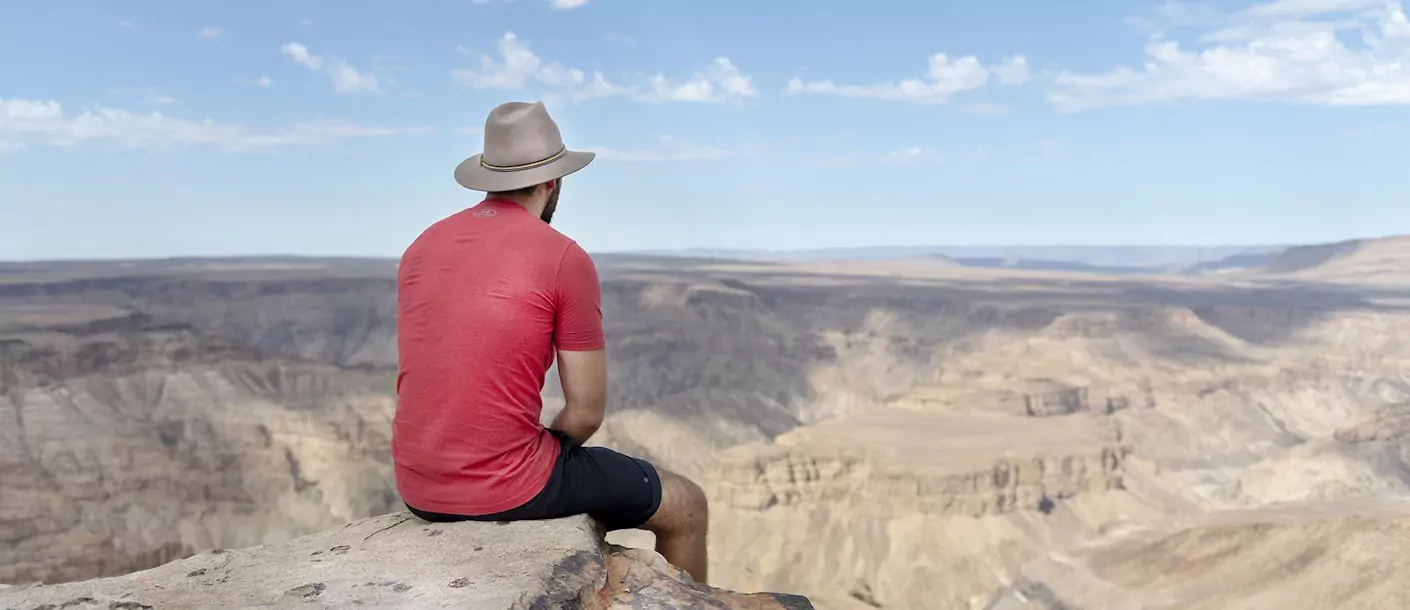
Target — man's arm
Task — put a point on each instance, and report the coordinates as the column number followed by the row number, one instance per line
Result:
column 584, row 379
column 582, row 355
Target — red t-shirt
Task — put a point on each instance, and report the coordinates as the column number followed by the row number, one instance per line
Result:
column 483, row 298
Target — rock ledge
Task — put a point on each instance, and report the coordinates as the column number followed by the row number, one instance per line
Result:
column 399, row 561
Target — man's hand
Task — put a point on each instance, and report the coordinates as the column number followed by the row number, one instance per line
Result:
column 584, row 379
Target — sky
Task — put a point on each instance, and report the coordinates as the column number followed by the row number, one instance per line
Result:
column 141, row 129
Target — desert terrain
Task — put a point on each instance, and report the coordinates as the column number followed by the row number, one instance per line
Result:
column 908, row 433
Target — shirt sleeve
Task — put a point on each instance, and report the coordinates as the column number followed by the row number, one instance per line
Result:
column 578, row 311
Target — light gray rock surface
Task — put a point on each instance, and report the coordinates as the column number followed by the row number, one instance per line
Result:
column 399, row 561
column 393, row 560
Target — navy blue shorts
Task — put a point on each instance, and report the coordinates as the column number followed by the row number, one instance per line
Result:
column 620, row 491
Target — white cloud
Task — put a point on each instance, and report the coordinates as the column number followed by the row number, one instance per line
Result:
column 945, row 78
column 517, row 64
column 1309, row 8
column 555, row 75
column 1287, row 50
column 719, row 82
column 599, row 87
column 518, row 67
column 210, row 32
column 346, row 78
column 1247, row 31
column 1014, row 72
column 301, row 56
column 46, row 123
column 18, row 110
column 1174, row 13
column 669, row 148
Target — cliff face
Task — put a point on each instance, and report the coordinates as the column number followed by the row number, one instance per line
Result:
column 1384, row 260
column 917, row 510
column 124, row 445
column 1030, row 443
column 913, row 463
column 398, row 561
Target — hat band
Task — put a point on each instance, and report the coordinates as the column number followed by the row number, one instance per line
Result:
column 516, row 168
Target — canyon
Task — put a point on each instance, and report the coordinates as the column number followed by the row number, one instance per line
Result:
column 871, row 434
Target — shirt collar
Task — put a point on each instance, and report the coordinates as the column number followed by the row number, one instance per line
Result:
column 502, row 204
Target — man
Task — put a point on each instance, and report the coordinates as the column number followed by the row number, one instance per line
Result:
column 484, row 300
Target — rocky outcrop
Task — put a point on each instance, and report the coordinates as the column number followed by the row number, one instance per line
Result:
column 1067, row 401
column 1389, row 423
column 1003, row 466
column 399, row 561
column 901, row 509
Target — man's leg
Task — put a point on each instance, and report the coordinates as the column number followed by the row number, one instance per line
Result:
column 620, row 491
column 681, row 524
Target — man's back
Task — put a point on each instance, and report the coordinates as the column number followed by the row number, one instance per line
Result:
column 484, row 297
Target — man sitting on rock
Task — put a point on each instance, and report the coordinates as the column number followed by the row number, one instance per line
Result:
column 484, row 300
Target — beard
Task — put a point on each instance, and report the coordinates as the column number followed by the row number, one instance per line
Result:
column 551, row 205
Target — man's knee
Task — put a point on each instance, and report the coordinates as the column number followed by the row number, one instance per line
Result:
column 694, row 497
column 683, row 504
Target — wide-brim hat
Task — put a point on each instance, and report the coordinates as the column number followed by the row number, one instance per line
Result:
column 523, row 147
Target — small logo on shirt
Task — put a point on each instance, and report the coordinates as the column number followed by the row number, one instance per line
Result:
column 485, row 213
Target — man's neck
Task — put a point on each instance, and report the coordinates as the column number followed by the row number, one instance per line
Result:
column 534, row 208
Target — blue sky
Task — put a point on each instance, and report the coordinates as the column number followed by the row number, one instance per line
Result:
column 140, row 129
